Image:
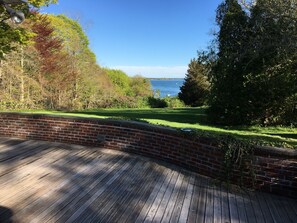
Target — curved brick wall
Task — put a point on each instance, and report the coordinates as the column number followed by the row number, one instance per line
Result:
column 275, row 169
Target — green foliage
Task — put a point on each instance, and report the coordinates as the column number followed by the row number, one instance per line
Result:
column 157, row 102
column 140, row 86
column 39, row 3
column 59, row 71
column 238, row 156
column 129, row 87
column 255, row 69
column 228, row 93
column 10, row 34
column 92, row 87
column 75, row 40
column 174, row 102
column 121, row 81
column 195, row 89
column 272, row 68
column 167, row 102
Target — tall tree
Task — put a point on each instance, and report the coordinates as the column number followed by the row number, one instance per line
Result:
column 195, row 90
column 254, row 77
column 228, row 92
column 91, row 82
column 272, row 73
column 54, row 75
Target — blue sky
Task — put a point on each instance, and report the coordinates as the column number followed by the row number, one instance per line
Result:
column 154, row 38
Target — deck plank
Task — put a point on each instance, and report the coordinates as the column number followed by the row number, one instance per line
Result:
column 250, row 213
column 217, row 205
column 44, row 195
column 256, row 207
column 78, row 190
column 180, row 199
column 167, row 195
column 87, row 204
column 55, row 182
column 194, row 201
column 202, row 200
column 234, row 215
column 117, row 194
column 149, row 202
column 288, row 207
column 267, row 215
column 209, row 211
column 170, row 206
column 271, row 203
column 187, row 201
column 141, row 193
column 131, row 194
column 86, row 190
column 145, row 193
column 225, row 205
column 154, row 207
column 241, row 208
column 34, row 183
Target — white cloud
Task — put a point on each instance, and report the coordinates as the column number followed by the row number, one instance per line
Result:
column 154, row 71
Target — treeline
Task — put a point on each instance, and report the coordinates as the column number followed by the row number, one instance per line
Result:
column 249, row 73
column 52, row 67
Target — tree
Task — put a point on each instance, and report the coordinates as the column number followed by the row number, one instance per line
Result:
column 121, row 81
column 272, row 73
column 195, row 90
column 55, row 77
column 228, row 93
column 91, row 83
column 141, row 87
column 11, row 34
column 254, row 77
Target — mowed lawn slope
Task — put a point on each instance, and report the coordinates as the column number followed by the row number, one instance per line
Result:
column 194, row 118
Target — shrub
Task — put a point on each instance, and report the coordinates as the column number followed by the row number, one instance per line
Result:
column 157, row 102
column 174, row 102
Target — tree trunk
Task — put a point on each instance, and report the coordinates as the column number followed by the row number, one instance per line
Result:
column 22, row 96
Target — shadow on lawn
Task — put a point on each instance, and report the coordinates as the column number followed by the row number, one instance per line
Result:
column 285, row 135
column 198, row 116
column 262, row 140
column 185, row 116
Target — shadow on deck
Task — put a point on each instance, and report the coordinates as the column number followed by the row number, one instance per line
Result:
column 54, row 182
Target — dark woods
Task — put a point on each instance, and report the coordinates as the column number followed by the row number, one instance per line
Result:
column 251, row 66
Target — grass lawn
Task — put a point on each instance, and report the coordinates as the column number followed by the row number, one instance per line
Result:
column 194, row 118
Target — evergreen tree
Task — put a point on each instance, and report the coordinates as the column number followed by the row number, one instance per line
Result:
column 254, row 77
column 272, row 73
column 228, row 93
column 195, row 89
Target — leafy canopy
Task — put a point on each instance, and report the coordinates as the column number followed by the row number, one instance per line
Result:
column 10, row 34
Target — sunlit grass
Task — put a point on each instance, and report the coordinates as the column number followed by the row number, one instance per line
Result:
column 193, row 118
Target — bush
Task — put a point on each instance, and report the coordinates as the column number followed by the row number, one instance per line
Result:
column 174, row 102
column 157, row 102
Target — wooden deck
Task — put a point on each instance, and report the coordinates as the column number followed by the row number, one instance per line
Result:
column 52, row 182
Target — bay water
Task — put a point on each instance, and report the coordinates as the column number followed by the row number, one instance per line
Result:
column 167, row 87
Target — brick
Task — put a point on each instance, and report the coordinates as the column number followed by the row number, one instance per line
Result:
column 197, row 154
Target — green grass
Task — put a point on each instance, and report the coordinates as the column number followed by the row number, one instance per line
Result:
column 194, row 118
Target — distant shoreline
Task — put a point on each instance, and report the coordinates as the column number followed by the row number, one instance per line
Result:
column 165, row 78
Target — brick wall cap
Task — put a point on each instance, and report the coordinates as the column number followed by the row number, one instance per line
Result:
column 276, row 151
column 259, row 150
column 110, row 121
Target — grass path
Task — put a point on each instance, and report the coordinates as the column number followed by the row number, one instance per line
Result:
column 194, row 118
